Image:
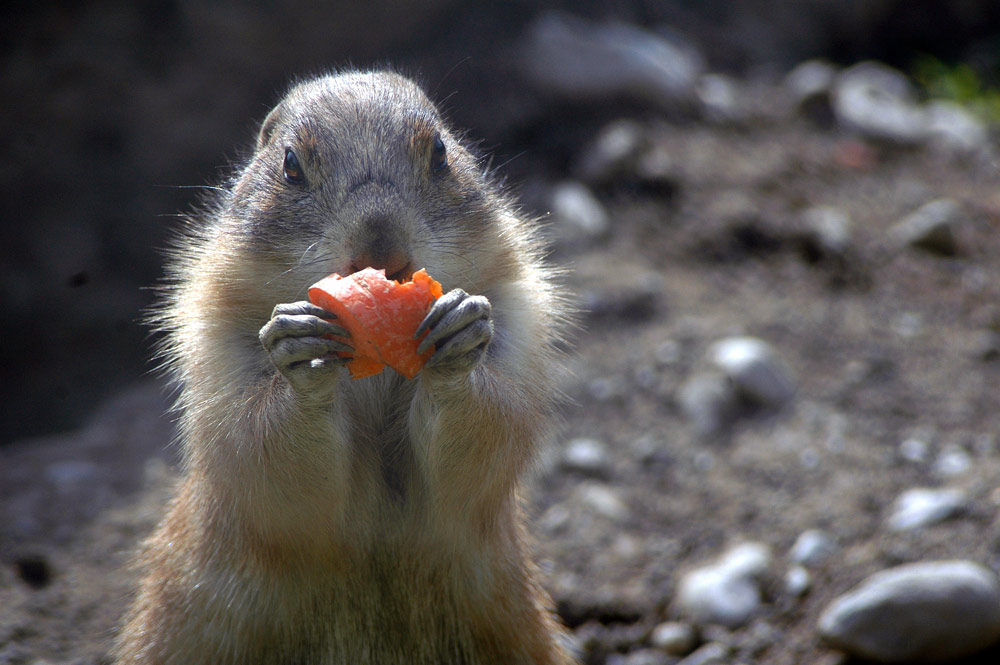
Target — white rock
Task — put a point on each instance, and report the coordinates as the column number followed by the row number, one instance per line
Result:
column 952, row 126
column 612, row 153
column 674, row 637
column 755, row 370
column 812, row 548
column 809, row 85
column 828, row 228
column 603, row 500
column 726, row 592
column 914, row 450
column 922, row 507
column 797, row 581
column 586, row 455
column 719, row 97
column 954, row 460
column 579, row 211
column 919, row 612
column 877, row 101
column 712, row 653
column 931, row 227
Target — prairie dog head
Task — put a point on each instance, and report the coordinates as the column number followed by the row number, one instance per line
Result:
column 356, row 170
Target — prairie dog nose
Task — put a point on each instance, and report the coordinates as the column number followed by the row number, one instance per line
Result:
column 381, row 247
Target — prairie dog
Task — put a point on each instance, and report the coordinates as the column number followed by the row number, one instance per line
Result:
column 328, row 520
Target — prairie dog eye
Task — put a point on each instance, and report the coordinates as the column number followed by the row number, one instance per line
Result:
column 439, row 154
column 292, row 168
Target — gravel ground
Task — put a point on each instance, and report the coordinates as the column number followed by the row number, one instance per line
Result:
column 877, row 371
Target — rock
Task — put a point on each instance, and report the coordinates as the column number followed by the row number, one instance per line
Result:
column 812, row 548
column 612, row 153
column 809, row 87
column 922, row 507
column 726, row 592
column 797, row 581
column 953, row 127
column 920, row 612
column 931, row 228
column 755, row 369
column 674, row 638
column 878, row 102
column 827, row 231
column 578, row 211
column 914, row 450
column 603, row 500
column 953, row 461
column 719, row 98
column 586, row 456
column 712, row 653
column 580, row 60
column 708, row 401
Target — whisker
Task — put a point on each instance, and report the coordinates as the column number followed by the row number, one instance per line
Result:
column 215, row 188
column 509, row 160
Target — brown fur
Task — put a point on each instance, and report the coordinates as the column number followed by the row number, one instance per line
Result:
column 379, row 523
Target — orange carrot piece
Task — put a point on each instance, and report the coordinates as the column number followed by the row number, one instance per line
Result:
column 381, row 316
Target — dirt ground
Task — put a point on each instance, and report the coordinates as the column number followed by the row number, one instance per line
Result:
column 884, row 344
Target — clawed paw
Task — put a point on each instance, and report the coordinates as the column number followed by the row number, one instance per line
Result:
column 460, row 327
column 297, row 338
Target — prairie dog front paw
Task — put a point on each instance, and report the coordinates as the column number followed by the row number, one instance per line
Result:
column 297, row 340
column 460, row 327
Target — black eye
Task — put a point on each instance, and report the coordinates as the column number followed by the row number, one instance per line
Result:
column 293, row 170
column 439, row 155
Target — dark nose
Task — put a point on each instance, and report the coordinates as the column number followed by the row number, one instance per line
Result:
column 381, row 247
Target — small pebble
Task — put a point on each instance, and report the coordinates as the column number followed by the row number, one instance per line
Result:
column 953, row 461
column 586, row 456
column 919, row 612
column 603, row 500
column 579, row 211
column 930, row 228
column 612, row 154
column 712, row 653
column 812, row 548
column 952, row 126
column 797, row 581
column 674, row 637
column 755, row 369
column 914, row 450
column 726, row 592
column 922, row 507
column 809, row 85
column 719, row 98
column 827, row 229
column 708, row 401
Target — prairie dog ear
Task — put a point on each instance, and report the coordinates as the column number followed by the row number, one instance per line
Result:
column 268, row 126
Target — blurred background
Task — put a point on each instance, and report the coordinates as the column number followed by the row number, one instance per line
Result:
column 781, row 221
column 115, row 113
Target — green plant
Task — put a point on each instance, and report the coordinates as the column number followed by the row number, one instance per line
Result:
column 959, row 83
